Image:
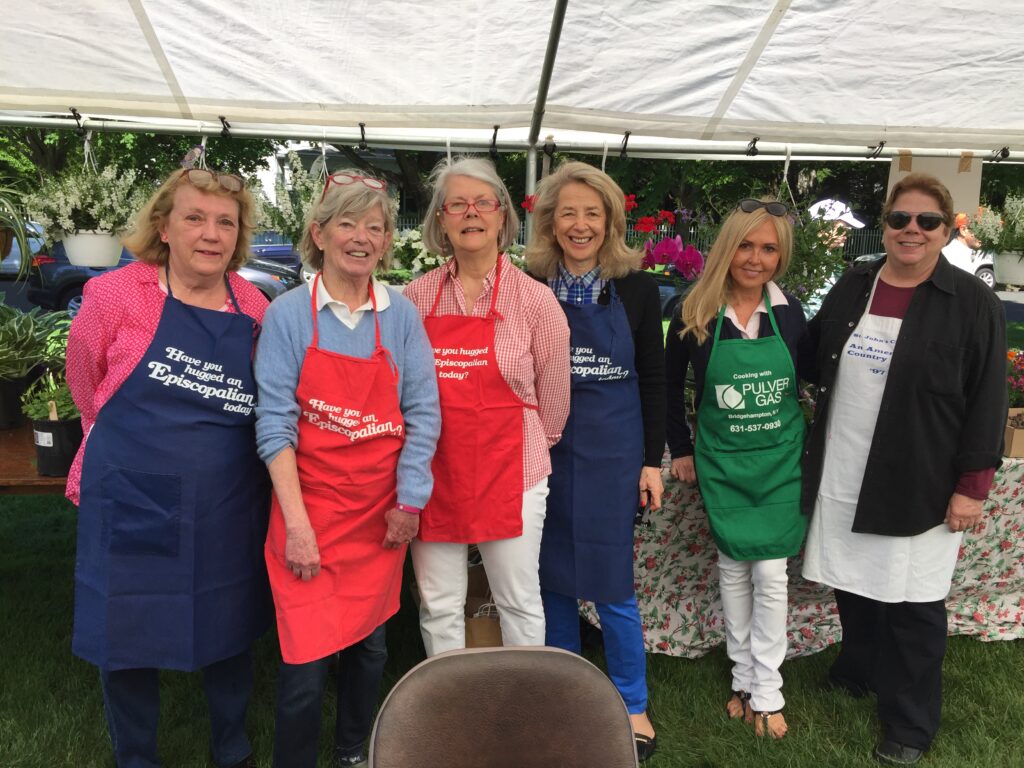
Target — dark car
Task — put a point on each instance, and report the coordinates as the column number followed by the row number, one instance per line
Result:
column 670, row 291
column 11, row 263
column 55, row 283
column 280, row 253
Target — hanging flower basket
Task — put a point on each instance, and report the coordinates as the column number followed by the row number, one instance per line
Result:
column 92, row 249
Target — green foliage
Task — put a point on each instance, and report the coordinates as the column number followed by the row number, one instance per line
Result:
column 288, row 215
column 50, row 387
column 32, row 338
column 1001, row 231
column 12, row 218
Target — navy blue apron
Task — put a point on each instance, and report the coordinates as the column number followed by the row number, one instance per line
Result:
column 169, row 571
column 587, row 547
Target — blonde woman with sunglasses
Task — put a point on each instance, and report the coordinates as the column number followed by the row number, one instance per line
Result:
column 172, row 496
column 742, row 334
column 348, row 422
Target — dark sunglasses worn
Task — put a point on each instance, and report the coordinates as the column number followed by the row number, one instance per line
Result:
column 749, row 205
column 927, row 221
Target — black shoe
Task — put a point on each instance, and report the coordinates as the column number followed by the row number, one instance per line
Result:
column 645, row 745
column 248, row 762
column 850, row 688
column 893, row 753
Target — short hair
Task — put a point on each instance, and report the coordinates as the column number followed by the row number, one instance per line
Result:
column 926, row 184
column 713, row 288
column 354, row 199
column 615, row 258
column 143, row 240
column 481, row 169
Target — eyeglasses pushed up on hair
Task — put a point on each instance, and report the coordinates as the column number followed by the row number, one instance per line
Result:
column 928, row 221
column 486, row 205
column 344, row 179
column 200, row 177
column 749, row 205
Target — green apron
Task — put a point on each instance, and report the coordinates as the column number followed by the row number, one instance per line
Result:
column 750, row 433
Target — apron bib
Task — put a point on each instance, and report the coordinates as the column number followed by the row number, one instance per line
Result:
column 174, row 503
column 478, row 466
column 351, row 434
column 587, row 548
column 750, row 433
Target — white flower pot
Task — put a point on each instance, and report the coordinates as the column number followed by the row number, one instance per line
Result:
column 1010, row 268
column 92, row 249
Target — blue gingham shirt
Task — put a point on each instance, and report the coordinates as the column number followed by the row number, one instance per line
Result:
column 573, row 289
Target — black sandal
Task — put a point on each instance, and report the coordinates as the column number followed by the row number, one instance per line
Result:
column 744, row 700
column 645, row 745
column 761, row 727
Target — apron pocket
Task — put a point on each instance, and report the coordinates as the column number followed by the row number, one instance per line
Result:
column 143, row 512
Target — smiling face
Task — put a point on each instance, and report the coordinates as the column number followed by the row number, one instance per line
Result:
column 201, row 232
column 580, row 223
column 756, row 260
column 472, row 232
column 353, row 244
column 913, row 249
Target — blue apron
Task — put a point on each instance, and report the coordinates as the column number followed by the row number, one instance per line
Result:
column 587, row 547
column 169, row 571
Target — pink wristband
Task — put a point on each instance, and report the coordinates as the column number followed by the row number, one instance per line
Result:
column 407, row 509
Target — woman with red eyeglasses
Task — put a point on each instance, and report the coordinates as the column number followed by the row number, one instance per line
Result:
column 347, row 423
column 501, row 344
column 172, row 496
column 906, row 437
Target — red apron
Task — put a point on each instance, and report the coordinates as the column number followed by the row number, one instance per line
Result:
column 351, row 433
column 478, row 466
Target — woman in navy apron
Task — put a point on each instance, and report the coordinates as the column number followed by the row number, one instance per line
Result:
column 609, row 459
column 742, row 334
column 173, row 498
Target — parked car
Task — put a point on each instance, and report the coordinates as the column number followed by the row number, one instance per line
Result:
column 55, row 283
column 11, row 262
column 280, row 253
column 978, row 263
column 670, row 290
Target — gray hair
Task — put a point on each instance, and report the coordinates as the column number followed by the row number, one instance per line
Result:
column 351, row 199
column 478, row 168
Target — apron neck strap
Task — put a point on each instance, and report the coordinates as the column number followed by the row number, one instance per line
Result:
column 316, row 322
column 494, row 293
column 227, row 284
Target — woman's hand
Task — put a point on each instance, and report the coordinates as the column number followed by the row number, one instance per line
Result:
column 301, row 553
column 402, row 528
column 963, row 512
column 650, row 483
column 682, row 469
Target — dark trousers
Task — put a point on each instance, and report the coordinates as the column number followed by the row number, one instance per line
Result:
column 300, row 692
column 895, row 650
column 131, row 700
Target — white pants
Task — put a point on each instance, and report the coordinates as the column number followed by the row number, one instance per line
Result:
column 755, row 605
column 512, row 572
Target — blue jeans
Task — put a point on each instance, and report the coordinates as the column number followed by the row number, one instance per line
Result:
column 300, row 692
column 131, row 700
column 623, row 641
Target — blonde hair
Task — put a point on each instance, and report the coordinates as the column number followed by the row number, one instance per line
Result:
column 615, row 258
column 713, row 288
column 143, row 240
column 481, row 169
column 355, row 199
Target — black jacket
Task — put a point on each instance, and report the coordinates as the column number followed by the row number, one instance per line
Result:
column 943, row 409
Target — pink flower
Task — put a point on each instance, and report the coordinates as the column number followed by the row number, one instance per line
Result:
column 978, row 617
column 651, row 563
column 689, row 263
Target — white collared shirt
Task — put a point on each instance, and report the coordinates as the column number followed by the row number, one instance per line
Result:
column 752, row 330
column 341, row 311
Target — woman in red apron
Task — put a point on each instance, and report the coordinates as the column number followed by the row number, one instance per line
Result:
column 172, row 497
column 501, row 345
column 348, row 422
column 609, row 458
column 742, row 333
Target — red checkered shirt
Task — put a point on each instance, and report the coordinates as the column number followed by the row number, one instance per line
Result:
column 531, row 344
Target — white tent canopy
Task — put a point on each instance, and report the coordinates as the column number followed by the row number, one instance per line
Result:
column 698, row 76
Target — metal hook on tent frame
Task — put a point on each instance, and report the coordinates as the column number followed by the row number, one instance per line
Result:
column 625, row 143
column 752, row 150
column 225, row 127
column 202, row 151
column 493, row 150
column 88, row 158
column 362, row 137
column 80, row 130
column 550, row 147
column 876, row 151
column 998, row 155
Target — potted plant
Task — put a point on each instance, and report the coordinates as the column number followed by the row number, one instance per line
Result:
column 88, row 210
column 1014, row 439
column 13, row 226
column 1002, row 233
column 56, row 423
column 28, row 340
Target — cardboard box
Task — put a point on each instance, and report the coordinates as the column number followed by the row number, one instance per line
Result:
column 1014, row 438
column 483, row 627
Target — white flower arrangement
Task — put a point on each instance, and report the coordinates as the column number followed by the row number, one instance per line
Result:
column 410, row 253
column 289, row 213
column 83, row 200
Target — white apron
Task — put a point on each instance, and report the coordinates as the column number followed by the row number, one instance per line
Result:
column 890, row 569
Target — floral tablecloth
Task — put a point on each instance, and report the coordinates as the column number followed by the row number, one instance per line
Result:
column 675, row 562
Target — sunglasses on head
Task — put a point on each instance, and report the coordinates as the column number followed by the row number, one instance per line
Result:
column 200, row 177
column 344, row 179
column 927, row 221
column 749, row 205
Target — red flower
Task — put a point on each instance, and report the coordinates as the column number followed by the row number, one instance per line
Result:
column 1005, row 544
column 651, row 563
column 667, row 216
column 646, row 224
column 978, row 617
column 631, row 203
column 807, row 632
column 528, row 202
column 662, row 646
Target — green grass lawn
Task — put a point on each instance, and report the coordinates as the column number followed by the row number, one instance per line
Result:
column 51, row 711
column 1015, row 337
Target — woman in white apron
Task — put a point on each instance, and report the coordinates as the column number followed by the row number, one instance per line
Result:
column 907, row 434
